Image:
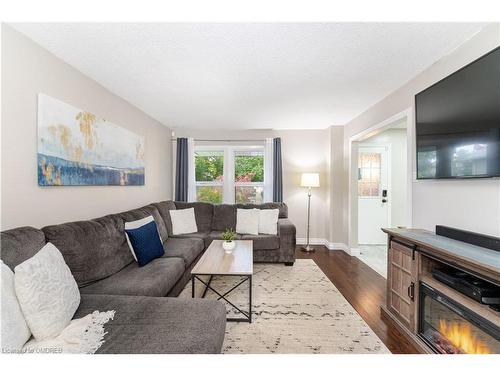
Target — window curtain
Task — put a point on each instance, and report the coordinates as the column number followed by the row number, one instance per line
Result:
column 184, row 170
column 268, row 170
column 277, row 171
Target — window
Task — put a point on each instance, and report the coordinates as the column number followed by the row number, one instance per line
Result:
column 249, row 176
column 209, row 171
column 369, row 167
column 469, row 160
column 229, row 174
column 427, row 160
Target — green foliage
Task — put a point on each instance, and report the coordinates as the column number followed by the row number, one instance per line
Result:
column 209, row 194
column 228, row 235
column 209, row 167
column 249, row 168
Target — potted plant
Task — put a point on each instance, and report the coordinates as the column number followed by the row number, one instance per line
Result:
column 228, row 237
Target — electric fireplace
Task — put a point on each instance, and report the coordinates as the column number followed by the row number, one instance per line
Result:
column 450, row 328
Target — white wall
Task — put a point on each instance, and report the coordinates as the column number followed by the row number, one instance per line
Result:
column 28, row 69
column 302, row 151
column 468, row 204
column 396, row 138
column 339, row 185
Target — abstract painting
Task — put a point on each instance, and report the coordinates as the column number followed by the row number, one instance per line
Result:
column 76, row 147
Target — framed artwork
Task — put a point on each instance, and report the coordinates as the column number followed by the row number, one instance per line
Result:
column 76, row 147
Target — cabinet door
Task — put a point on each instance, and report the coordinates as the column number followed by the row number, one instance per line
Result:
column 402, row 288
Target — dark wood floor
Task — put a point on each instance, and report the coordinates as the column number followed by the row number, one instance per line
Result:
column 363, row 288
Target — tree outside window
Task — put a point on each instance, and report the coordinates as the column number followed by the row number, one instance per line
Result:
column 247, row 183
column 209, row 171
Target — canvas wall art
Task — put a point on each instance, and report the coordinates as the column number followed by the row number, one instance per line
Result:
column 76, row 147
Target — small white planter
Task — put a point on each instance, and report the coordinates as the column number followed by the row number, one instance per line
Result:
column 228, row 246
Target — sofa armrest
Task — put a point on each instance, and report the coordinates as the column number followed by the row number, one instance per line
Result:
column 288, row 240
column 286, row 228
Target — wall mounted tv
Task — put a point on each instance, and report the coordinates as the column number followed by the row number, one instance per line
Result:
column 458, row 123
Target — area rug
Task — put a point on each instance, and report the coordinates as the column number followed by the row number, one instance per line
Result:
column 295, row 310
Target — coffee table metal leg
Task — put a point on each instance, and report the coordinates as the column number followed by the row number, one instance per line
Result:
column 247, row 314
column 250, row 300
column 207, row 286
column 192, row 286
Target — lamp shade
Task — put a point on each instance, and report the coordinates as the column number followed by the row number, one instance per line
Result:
column 309, row 180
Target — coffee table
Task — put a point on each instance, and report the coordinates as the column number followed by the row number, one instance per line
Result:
column 216, row 262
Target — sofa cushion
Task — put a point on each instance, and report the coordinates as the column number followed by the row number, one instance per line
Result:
column 20, row 244
column 201, row 235
column 164, row 208
column 154, row 279
column 158, row 325
column 224, row 217
column 186, row 248
column 263, row 241
column 141, row 213
column 92, row 249
column 203, row 213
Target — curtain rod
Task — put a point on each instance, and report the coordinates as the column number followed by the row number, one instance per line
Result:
column 225, row 140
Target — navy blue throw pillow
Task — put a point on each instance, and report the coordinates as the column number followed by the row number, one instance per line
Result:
column 146, row 243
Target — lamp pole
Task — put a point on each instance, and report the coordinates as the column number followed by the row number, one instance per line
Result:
column 308, row 247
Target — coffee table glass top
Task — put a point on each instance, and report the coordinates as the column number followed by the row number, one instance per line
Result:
column 216, row 261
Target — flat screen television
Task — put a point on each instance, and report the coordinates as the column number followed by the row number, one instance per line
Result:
column 458, row 123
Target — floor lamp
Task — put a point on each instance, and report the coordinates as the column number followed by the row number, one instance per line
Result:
column 309, row 180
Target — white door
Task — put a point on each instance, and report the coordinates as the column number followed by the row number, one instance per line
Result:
column 373, row 194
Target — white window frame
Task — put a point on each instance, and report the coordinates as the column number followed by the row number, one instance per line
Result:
column 229, row 184
column 208, row 183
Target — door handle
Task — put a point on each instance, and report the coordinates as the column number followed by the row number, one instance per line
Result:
column 411, row 291
column 384, row 200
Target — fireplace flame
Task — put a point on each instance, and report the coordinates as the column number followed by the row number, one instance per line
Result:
column 462, row 337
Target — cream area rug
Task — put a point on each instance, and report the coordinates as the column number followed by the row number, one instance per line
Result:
column 295, row 310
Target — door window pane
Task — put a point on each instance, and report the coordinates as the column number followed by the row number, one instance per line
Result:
column 369, row 164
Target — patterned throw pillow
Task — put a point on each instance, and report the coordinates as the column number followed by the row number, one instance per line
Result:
column 15, row 331
column 146, row 243
column 137, row 224
column 47, row 292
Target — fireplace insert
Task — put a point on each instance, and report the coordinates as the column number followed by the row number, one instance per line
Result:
column 450, row 328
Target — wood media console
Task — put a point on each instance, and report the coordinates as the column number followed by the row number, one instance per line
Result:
column 433, row 313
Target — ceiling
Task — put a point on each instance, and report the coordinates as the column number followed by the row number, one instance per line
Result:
column 250, row 75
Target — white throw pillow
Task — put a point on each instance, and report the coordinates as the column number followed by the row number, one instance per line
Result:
column 137, row 224
column 15, row 331
column 268, row 221
column 47, row 292
column 247, row 221
column 183, row 221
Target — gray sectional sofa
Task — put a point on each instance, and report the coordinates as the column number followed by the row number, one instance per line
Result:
column 148, row 319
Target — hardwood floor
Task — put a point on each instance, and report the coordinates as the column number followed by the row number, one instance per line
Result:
column 363, row 288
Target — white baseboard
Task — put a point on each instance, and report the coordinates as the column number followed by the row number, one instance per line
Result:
column 329, row 245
